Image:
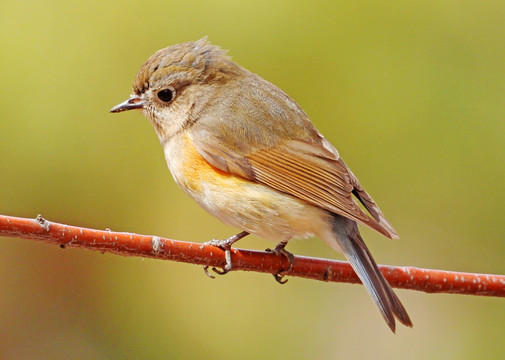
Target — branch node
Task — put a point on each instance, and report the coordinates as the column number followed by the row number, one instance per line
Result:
column 327, row 273
column 43, row 222
column 157, row 244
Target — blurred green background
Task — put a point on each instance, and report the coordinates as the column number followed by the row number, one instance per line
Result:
column 411, row 93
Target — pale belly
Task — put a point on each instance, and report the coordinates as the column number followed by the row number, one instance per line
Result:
column 243, row 204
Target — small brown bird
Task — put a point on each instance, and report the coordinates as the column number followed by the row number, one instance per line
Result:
column 249, row 155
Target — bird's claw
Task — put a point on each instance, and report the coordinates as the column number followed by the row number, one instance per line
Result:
column 206, row 271
column 279, row 278
column 216, row 270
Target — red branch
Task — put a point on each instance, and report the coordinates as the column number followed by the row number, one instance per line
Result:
column 128, row 244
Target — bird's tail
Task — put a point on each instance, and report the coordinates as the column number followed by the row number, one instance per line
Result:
column 356, row 252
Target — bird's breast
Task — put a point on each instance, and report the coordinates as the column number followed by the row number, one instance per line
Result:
column 190, row 170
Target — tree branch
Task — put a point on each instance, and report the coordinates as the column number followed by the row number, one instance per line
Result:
column 128, row 244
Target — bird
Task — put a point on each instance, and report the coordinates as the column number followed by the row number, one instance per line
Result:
column 248, row 154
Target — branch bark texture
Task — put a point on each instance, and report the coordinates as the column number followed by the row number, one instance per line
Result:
column 128, row 244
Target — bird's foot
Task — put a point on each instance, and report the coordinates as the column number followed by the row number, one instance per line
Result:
column 224, row 245
column 280, row 249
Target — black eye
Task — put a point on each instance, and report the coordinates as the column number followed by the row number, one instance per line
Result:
column 166, row 95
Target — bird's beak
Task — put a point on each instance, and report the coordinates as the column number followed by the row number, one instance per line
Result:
column 135, row 102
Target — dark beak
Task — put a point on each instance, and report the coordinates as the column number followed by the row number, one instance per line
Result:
column 134, row 102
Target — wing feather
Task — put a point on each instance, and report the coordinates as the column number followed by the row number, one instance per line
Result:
column 316, row 180
column 288, row 156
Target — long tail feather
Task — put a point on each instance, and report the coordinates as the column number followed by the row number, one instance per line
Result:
column 359, row 256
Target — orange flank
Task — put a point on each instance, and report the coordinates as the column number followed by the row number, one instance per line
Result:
column 196, row 171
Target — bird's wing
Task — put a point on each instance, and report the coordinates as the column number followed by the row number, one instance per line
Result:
column 285, row 153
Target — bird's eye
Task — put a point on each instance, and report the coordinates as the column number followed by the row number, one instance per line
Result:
column 166, row 95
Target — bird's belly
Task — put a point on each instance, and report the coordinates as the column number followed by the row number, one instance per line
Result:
column 238, row 202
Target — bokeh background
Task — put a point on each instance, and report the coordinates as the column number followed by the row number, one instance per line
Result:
column 411, row 93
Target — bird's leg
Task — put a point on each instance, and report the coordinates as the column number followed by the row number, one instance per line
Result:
column 280, row 249
column 226, row 246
